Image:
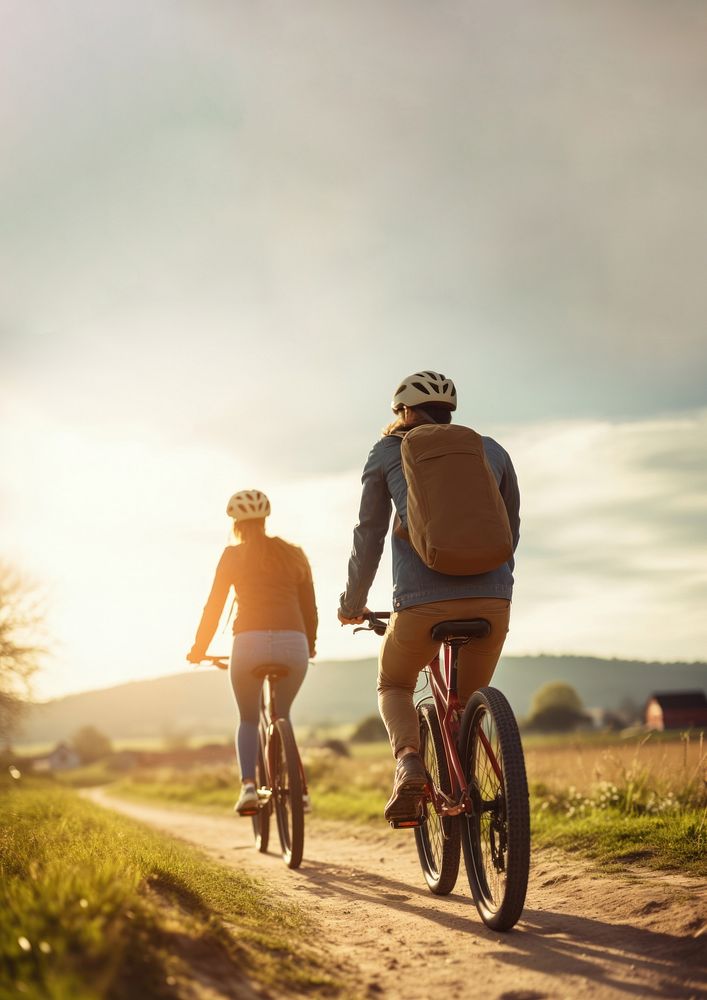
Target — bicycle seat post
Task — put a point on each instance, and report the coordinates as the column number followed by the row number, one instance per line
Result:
column 272, row 708
column 455, row 634
column 451, row 648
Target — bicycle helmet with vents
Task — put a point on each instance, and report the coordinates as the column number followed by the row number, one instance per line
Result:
column 425, row 387
column 247, row 505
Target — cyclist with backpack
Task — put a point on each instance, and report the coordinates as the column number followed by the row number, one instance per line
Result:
column 456, row 502
column 276, row 622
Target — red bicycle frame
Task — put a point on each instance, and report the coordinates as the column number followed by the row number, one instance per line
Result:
column 443, row 684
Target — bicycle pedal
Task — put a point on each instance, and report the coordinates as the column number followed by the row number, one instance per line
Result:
column 248, row 812
column 407, row 824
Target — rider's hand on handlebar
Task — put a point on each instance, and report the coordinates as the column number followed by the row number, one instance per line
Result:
column 195, row 656
column 358, row 620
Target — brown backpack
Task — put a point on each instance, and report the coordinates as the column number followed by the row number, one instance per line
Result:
column 457, row 520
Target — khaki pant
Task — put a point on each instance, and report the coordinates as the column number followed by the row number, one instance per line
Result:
column 408, row 646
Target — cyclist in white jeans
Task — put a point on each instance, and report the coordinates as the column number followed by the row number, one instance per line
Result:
column 276, row 621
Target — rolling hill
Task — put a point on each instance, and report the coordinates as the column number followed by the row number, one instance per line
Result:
column 334, row 693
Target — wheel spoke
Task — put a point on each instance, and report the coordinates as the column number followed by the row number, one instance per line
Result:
column 435, row 829
column 438, row 839
column 492, row 853
column 283, row 794
column 261, row 820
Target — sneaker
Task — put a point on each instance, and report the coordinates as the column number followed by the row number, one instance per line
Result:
column 408, row 789
column 247, row 804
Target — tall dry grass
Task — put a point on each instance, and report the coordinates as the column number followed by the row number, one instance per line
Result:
column 643, row 775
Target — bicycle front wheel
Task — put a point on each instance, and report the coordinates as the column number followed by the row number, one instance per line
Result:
column 496, row 835
column 287, row 793
column 261, row 820
column 438, row 839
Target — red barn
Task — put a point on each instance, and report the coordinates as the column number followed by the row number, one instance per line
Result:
column 677, row 710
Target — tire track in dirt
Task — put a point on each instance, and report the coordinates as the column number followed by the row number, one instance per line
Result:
column 583, row 934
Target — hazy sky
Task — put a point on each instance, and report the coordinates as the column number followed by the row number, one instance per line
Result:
column 227, row 230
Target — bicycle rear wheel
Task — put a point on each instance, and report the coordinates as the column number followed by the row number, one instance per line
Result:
column 287, row 793
column 261, row 820
column 438, row 839
column 496, row 835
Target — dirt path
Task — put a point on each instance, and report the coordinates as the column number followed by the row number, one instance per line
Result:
column 583, row 934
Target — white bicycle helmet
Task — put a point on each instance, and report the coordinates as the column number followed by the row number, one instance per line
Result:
column 247, row 505
column 425, row 387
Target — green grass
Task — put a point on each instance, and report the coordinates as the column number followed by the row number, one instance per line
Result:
column 131, row 743
column 675, row 841
column 352, row 804
column 198, row 787
column 637, row 818
column 351, row 789
column 88, row 776
column 95, row 905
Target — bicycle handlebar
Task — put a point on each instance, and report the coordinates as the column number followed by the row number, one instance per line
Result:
column 217, row 661
column 376, row 622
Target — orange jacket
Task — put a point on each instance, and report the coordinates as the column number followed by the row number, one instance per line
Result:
column 276, row 594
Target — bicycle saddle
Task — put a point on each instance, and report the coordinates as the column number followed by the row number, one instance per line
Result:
column 471, row 628
column 271, row 670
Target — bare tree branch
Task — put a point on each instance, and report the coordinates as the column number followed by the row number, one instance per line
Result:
column 21, row 627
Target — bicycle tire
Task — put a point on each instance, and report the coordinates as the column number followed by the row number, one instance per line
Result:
column 496, row 835
column 438, row 840
column 261, row 820
column 287, row 793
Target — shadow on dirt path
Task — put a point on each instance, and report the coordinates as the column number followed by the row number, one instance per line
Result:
column 582, row 934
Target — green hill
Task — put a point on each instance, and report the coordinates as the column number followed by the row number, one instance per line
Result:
column 333, row 693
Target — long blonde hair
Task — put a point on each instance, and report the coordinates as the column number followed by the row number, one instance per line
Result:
column 249, row 531
column 432, row 413
column 266, row 554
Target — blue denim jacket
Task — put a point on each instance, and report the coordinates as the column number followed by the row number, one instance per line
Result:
column 413, row 582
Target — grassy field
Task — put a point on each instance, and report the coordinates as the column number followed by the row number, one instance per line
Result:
column 642, row 800
column 353, row 789
column 94, row 905
column 639, row 799
column 665, row 761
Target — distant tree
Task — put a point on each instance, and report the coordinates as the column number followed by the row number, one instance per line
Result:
column 369, row 730
column 337, row 747
column 21, row 624
column 556, row 707
column 91, row 744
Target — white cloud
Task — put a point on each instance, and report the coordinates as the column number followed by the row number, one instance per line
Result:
column 125, row 533
column 231, row 183
column 613, row 556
